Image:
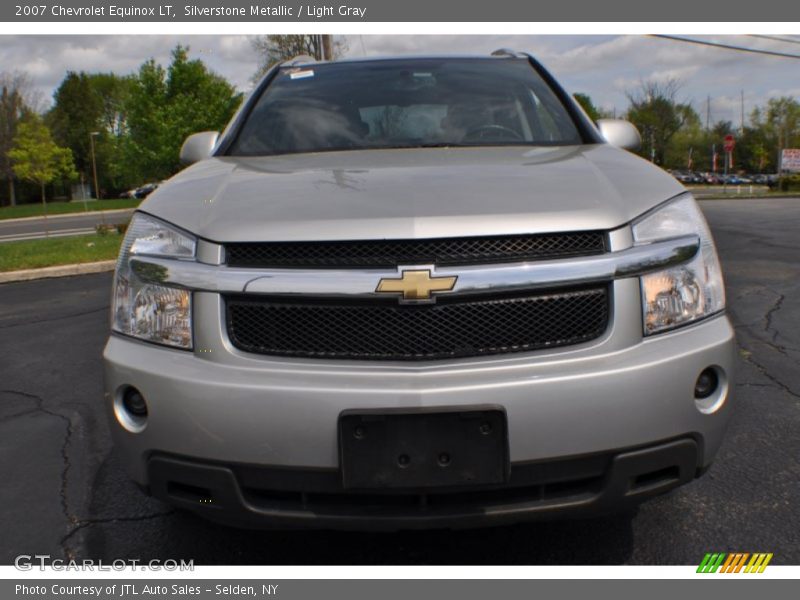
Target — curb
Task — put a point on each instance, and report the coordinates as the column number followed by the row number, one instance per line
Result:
column 746, row 197
column 99, row 213
column 60, row 271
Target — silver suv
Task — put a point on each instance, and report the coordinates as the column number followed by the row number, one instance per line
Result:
column 409, row 293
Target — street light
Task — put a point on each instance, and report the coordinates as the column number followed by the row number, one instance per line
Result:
column 94, row 171
column 94, row 163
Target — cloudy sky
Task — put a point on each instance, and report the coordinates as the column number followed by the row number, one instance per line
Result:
column 605, row 66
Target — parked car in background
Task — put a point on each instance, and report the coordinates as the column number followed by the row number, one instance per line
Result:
column 140, row 192
column 683, row 176
column 769, row 179
column 733, row 179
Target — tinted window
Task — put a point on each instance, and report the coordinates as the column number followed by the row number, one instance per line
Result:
column 405, row 103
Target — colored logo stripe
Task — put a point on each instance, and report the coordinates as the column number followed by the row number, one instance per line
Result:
column 758, row 563
column 711, row 562
column 734, row 562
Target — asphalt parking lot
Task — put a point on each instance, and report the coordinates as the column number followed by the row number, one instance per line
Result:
column 63, row 492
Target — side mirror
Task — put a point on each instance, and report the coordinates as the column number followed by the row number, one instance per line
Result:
column 622, row 134
column 198, row 146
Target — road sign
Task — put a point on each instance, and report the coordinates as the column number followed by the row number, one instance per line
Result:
column 729, row 144
column 790, row 160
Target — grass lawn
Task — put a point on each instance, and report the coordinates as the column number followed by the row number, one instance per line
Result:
column 32, row 254
column 60, row 208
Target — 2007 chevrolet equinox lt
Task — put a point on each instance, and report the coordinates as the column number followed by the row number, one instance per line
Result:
column 416, row 292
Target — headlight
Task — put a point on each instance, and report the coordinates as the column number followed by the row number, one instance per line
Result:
column 156, row 313
column 691, row 291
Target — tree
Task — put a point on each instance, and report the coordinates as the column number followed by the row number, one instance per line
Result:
column 752, row 152
column 586, row 103
column 167, row 105
column 655, row 110
column 85, row 103
column 114, row 91
column 16, row 100
column 783, row 122
column 37, row 158
column 273, row 49
column 74, row 116
column 686, row 149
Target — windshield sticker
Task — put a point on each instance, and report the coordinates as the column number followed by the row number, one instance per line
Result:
column 301, row 74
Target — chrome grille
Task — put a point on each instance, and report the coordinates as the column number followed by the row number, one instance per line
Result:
column 391, row 253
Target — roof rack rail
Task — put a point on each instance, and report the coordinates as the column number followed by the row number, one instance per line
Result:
column 299, row 60
column 507, row 52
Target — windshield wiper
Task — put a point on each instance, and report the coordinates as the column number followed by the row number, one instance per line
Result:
column 432, row 145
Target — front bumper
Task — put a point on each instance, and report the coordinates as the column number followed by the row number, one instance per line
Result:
column 248, row 496
column 219, row 406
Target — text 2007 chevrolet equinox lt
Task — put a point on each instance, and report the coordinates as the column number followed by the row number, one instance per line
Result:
column 407, row 293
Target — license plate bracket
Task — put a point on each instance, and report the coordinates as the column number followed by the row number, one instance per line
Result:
column 427, row 448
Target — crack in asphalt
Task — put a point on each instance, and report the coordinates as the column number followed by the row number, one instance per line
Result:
column 19, row 414
column 771, row 313
column 779, row 348
column 59, row 318
column 757, row 385
column 73, row 522
column 763, row 370
column 39, row 408
column 83, row 524
column 771, row 332
column 772, row 341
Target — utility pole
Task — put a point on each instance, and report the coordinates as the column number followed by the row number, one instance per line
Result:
column 327, row 47
column 741, row 131
column 94, row 171
column 708, row 113
column 652, row 147
column 94, row 164
column 316, row 42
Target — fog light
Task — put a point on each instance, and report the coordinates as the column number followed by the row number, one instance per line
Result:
column 706, row 384
column 134, row 403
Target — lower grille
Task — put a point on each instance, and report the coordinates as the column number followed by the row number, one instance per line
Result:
column 321, row 489
column 387, row 331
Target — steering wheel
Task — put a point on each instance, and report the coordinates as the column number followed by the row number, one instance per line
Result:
column 504, row 132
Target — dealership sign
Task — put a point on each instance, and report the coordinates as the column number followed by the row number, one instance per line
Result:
column 790, row 160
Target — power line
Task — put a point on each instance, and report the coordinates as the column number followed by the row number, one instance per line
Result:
column 776, row 38
column 725, row 46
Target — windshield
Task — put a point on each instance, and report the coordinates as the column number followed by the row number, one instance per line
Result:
column 402, row 104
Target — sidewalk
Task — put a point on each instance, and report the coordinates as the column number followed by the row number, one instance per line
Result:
column 59, row 271
column 113, row 211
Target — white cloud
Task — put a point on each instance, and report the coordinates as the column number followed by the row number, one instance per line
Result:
column 605, row 67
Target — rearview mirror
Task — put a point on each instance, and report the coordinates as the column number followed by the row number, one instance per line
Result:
column 198, row 146
column 619, row 133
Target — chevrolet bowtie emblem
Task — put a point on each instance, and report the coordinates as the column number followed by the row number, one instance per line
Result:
column 416, row 285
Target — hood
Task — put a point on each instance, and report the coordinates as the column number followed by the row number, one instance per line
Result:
column 411, row 193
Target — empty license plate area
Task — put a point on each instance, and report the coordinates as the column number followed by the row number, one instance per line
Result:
column 423, row 449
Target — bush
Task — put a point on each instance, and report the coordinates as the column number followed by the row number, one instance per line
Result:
column 789, row 183
column 103, row 229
